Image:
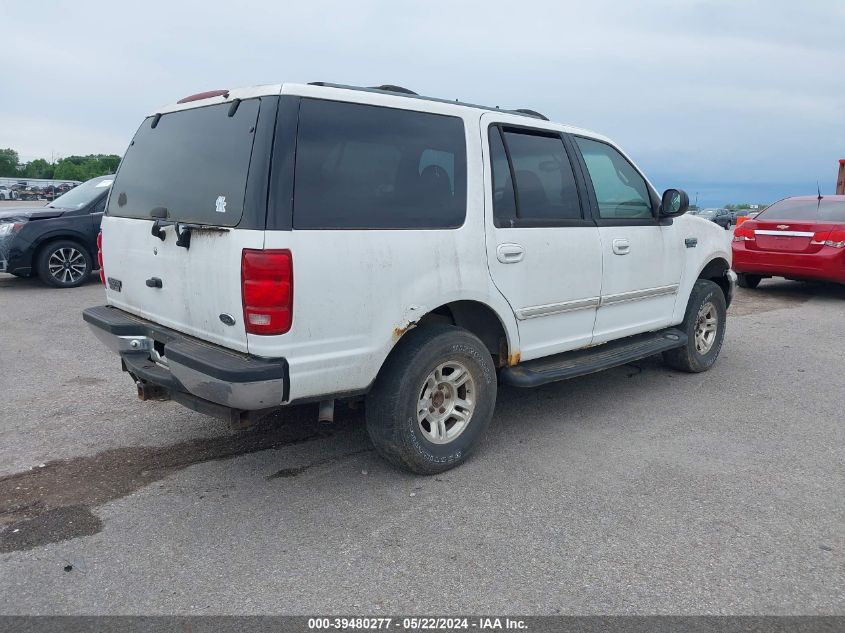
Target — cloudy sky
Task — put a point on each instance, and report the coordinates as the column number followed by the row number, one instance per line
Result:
column 738, row 101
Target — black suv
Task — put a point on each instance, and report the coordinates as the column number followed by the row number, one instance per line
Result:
column 722, row 217
column 57, row 242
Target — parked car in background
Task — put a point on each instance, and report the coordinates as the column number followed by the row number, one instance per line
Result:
column 57, row 242
column 722, row 217
column 30, row 193
column 468, row 246
column 800, row 238
column 7, row 193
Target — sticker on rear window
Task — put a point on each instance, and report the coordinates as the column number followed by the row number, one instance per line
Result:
column 220, row 205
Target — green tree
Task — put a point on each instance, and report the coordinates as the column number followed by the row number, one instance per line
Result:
column 8, row 162
column 38, row 168
column 69, row 170
column 85, row 167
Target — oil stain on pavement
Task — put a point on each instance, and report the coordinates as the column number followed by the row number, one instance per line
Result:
column 53, row 503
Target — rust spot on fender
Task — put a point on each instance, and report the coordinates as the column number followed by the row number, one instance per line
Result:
column 398, row 332
column 513, row 359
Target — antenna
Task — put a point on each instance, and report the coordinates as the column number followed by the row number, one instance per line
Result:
column 819, row 189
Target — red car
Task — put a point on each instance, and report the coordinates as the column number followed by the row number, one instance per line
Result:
column 800, row 238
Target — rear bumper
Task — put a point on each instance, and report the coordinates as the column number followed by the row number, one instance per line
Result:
column 828, row 264
column 184, row 366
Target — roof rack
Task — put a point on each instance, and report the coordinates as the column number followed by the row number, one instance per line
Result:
column 533, row 113
column 392, row 88
column 404, row 92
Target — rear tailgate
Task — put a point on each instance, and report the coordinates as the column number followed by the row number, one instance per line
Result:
column 198, row 284
column 198, row 177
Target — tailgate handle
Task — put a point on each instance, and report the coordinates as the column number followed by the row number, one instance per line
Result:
column 153, row 282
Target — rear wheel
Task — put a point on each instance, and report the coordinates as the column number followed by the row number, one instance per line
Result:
column 64, row 264
column 704, row 324
column 744, row 280
column 433, row 399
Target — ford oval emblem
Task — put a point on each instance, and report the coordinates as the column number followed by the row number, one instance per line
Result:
column 227, row 319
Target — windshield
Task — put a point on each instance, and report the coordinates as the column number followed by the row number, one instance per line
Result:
column 84, row 194
column 707, row 212
column 824, row 210
column 193, row 163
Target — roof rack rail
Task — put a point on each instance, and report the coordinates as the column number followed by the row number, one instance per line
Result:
column 399, row 90
column 533, row 113
column 392, row 88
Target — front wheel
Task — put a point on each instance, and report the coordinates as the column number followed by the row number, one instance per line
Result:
column 704, row 324
column 64, row 264
column 433, row 399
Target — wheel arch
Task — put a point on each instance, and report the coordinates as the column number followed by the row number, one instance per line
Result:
column 56, row 236
column 480, row 319
column 716, row 270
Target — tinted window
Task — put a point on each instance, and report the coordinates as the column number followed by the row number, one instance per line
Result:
column 824, row 210
column 504, row 201
column 361, row 166
column 84, row 194
column 545, row 185
column 194, row 163
column 620, row 190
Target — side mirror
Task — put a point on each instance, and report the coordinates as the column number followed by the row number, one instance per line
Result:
column 675, row 202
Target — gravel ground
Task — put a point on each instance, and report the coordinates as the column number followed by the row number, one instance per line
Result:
column 638, row 490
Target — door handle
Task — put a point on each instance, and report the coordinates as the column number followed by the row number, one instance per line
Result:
column 621, row 246
column 510, row 253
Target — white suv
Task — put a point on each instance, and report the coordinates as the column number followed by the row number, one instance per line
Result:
column 285, row 244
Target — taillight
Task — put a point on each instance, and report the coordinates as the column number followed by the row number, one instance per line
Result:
column 267, row 291
column 743, row 234
column 100, row 257
column 836, row 239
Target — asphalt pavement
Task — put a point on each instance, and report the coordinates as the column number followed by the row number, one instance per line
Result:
column 637, row 490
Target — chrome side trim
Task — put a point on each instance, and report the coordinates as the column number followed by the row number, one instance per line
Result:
column 787, row 233
column 637, row 295
column 533, row 312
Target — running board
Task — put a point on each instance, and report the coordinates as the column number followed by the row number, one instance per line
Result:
column 534, row 373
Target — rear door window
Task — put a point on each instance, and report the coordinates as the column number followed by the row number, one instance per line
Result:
column 543, row 177
column 533, row 180
column 193, row 162
column 369, row 167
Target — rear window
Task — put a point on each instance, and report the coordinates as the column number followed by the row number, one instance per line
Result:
column 823, row 210
column 194, row 163
column 369, row 167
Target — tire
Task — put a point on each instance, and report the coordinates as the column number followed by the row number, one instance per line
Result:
column 744, row 280
column 703, row 346
column 402, row 431
column 51, row 262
